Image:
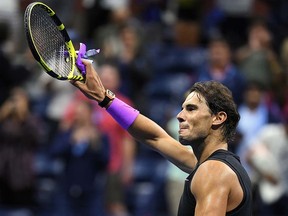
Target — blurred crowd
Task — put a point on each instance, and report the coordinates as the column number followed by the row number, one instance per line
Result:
column 62, row 155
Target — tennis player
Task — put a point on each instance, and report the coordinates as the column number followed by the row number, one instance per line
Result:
column 217, row 183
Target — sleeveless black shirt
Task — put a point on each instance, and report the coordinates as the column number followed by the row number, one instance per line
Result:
column 188, row 202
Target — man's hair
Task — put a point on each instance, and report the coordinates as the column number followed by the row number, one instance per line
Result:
column 219, row 98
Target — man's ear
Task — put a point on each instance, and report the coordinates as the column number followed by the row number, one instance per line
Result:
column 219, row 118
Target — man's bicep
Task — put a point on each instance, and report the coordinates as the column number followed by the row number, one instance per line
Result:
column 211, row 190
column 212, row 204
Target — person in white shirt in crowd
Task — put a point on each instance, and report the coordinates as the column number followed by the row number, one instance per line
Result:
column 268, row 156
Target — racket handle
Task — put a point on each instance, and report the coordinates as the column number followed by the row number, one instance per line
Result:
column 81, row 54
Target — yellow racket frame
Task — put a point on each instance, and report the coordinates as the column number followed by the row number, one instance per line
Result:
column 68, row 42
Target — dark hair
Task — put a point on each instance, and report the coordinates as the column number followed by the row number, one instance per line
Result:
column 219, row 98
column 257, row 22
column 217, row 40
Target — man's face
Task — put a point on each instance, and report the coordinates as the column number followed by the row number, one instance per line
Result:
column 195, row 119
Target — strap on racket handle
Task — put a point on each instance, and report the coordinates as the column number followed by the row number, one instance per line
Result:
column 79, row 63
column 82, row 53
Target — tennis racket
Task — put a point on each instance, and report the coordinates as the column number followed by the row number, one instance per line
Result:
column 51, row 45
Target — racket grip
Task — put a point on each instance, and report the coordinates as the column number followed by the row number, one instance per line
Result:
column 124, row 114
column 81, row 54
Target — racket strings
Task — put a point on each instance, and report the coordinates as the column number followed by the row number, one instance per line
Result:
column 50, row 42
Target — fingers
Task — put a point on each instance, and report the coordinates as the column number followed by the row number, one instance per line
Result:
column 87, row 61
column 89, row 74
column 88, row 64
column 89, row 67
column 76, row 83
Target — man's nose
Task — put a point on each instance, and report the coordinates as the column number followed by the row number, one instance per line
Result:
column 179, row 117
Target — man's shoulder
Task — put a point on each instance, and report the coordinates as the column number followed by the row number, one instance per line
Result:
column 218, row 163
column 212, row 175
column 214, row 171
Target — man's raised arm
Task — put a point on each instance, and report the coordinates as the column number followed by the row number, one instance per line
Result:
column 139, row 126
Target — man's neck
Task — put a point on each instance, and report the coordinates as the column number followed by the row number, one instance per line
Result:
column 203, row 150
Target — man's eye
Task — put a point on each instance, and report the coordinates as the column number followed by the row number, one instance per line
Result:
column 190, row 108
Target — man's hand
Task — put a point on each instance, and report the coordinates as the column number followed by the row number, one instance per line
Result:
column 92, row 87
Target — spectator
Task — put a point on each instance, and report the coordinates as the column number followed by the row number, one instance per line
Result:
column 84, row 152
column 132, row 62
column 268, row 156
column 20, row 136
column 257, row 60
column 124, row 47
column 220, row 67
column 256, row 111
column 121, row 145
